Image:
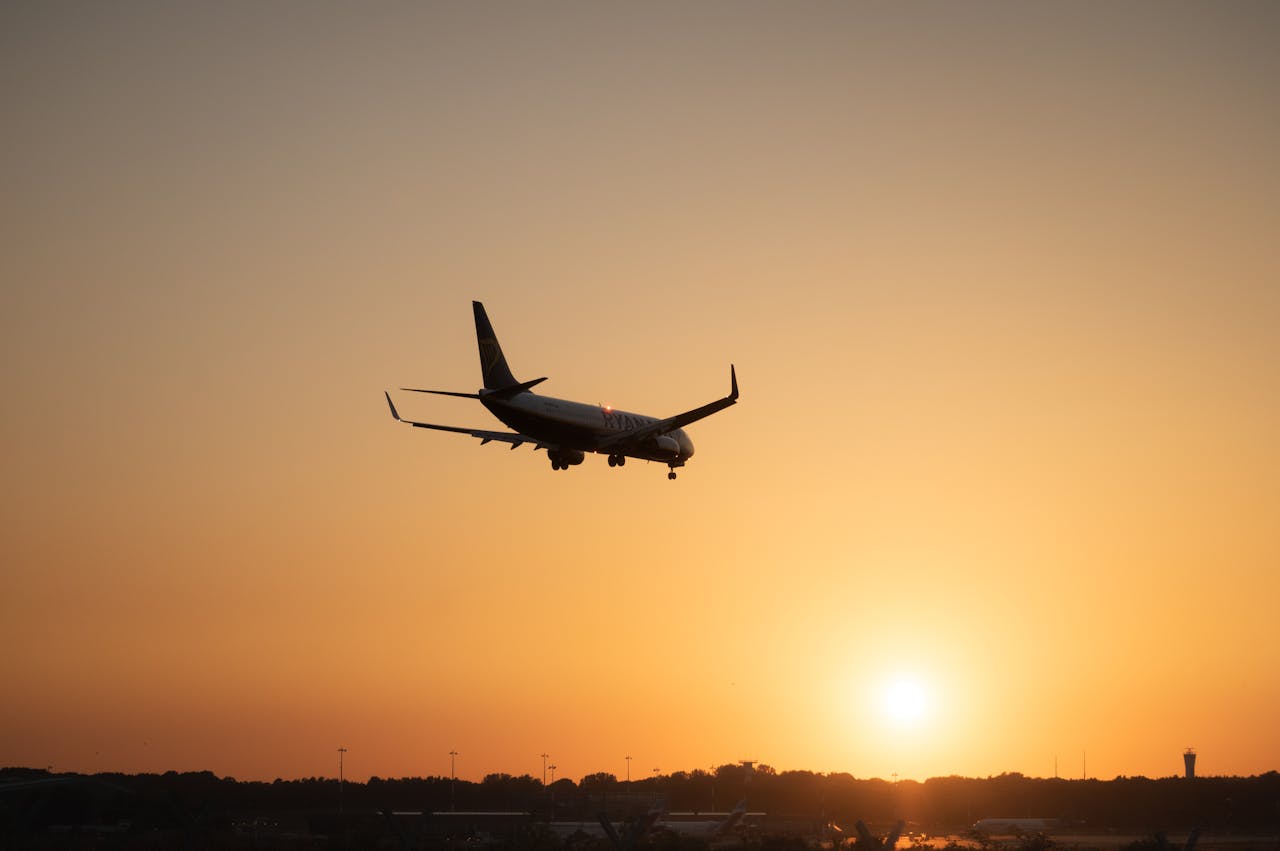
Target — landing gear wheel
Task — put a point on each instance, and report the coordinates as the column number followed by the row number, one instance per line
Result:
column 671, row 475
column 613, row 460
column 622, row 460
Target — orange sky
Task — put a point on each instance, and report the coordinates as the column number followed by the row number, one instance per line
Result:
column 1000, row 282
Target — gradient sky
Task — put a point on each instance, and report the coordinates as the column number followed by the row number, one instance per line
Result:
column 1000, row 281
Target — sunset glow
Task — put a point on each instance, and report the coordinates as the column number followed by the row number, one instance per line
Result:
column 1000, row 283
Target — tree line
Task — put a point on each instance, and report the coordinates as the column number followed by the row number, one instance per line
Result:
column 940, row 804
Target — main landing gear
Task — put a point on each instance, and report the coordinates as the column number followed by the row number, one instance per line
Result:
column 617, row 460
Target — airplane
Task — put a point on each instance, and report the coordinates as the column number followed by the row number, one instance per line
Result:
column 704, row 827
column 569, row 430
column 625, row 835
column 865, row 839
column 1008, row 826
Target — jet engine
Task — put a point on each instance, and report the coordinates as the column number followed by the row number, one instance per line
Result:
column 664, row 447
column 563, row 459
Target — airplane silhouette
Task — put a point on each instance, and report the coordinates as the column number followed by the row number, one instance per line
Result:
column 568, row 430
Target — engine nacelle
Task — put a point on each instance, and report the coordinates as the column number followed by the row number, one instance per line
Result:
column 567, row 457
column 665, row 447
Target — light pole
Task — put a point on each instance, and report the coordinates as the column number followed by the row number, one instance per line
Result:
column 553, row 774
column 628, row 768
column 341, row 751
column 453, row 781
column 544, row 768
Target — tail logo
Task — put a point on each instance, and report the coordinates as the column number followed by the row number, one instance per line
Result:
column 490, row 354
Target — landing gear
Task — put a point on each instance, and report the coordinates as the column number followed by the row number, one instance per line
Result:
column 671, row 475
column 555, row 464
column 617, row 460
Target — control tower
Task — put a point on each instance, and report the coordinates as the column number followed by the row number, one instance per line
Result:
column 1189, row 760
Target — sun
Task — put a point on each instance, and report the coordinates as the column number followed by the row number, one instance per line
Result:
column 905, row 700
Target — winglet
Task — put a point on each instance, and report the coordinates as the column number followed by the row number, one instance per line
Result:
column 733, row 379
column 392, row 406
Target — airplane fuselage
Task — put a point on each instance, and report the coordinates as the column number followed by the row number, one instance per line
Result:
column 576, row 426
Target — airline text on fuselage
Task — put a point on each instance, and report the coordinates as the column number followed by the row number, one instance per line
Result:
column 619, row 421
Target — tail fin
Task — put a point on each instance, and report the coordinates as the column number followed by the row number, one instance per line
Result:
column 493, row 366
column 734, row 817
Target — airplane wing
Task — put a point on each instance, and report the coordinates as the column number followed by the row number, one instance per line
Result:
column 511, row 437
column 636, row 435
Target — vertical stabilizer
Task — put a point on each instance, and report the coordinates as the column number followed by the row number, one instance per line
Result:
column 731, row 823
column 493, row 366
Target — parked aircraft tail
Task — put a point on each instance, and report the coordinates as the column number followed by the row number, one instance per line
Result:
column 867, row 839
column 734, row 818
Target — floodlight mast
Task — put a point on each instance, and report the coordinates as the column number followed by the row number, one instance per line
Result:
column 341, row 751
column 453, row 782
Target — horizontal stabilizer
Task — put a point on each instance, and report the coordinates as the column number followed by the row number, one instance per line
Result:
column 444, row 393
column 502, row 392
column 514, row 389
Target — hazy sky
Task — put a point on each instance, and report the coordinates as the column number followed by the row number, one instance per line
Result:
column 1000, row 282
